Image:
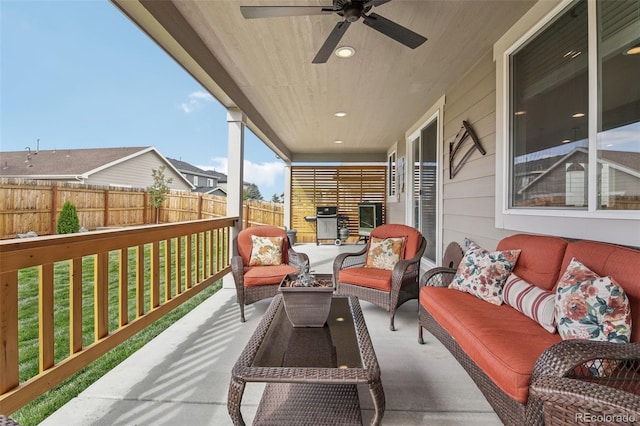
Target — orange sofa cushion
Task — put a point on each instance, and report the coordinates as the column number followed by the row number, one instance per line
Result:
column 621, row 263
column 540, row 259
column 504, row 343
column 266, row 275
column 367, row 277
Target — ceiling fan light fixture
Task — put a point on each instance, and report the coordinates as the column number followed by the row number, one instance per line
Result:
column 345, row 52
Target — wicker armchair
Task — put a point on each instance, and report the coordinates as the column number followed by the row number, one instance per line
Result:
column 387, row 289
column 255, row 283
column 565, row 388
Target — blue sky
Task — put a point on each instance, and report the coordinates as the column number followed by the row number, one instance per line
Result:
column 79, row 74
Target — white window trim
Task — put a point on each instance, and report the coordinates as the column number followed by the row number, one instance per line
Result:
column 393, row 191
column 435, row 112
column 621, row 227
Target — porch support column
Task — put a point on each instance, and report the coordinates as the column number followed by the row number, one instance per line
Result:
column 235, row 176
column 287, row 196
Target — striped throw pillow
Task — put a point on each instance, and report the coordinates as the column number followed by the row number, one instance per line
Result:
column 532, row 301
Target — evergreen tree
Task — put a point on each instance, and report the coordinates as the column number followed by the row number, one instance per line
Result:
column 252, row 192
column 275, row 198
column 68, row 222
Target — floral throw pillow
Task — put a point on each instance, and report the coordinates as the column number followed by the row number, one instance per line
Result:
column 591, row 307
column 483, row 273
column 536, row 303
column 384, row 253
column 265, row 251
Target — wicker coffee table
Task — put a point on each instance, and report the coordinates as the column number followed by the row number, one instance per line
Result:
column 311, row 373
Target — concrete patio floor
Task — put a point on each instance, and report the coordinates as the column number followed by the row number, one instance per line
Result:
column 182, row 376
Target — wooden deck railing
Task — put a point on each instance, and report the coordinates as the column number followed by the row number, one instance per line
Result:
column 138, row 275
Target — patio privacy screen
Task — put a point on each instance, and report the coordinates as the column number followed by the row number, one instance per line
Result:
column 341, row 186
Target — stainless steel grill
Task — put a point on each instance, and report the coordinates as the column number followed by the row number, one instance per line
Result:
column 327, row 224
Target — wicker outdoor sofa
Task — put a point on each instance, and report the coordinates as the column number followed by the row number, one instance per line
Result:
column 528, row 374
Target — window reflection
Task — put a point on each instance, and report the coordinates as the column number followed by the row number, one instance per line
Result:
column 550, row 115
column 550, row 151
column 619, row 106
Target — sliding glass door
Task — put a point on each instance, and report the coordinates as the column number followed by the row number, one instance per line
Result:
column 425, row 186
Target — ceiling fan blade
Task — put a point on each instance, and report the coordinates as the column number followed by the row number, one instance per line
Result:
column 253, row 12
column 395, row 31
column 331, row 42
column 376, row 2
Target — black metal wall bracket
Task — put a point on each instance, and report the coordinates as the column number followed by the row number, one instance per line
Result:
column 455, row 148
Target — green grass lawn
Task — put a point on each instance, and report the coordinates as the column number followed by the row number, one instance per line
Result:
column 42, row 407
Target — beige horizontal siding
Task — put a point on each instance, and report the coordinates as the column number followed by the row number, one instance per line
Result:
column 469, row 198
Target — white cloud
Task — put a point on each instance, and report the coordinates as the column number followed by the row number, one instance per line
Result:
column 220, row 164
column 196, row 100
column 266, row 175
column 263, row 174
column 201, row 95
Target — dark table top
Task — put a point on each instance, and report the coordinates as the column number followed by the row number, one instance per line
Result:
column 333, row 346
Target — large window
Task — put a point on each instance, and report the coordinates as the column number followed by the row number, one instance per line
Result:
column 575, row 111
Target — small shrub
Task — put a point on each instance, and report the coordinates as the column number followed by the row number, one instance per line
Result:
column 68, row 222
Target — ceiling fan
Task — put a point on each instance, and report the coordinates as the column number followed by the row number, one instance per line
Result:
column 351, row 10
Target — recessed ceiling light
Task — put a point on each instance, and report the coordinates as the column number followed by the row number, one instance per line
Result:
column 578, row 115
column 338, row 142
column 633, row 50
column 345, row 52
column 340, row 114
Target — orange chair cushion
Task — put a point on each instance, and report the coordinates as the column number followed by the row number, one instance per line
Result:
column 412, row 237
column 266, row 275
column 503, row 343
column 540, row 259
column 245, row 244
column 621, row 263
column 367, row 277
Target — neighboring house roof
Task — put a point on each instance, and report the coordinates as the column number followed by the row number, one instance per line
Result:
column 70, row 163
column 183, row 166
column 218, row 190
column 625, row 161
column 622, row 160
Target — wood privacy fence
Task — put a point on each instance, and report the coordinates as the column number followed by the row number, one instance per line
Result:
column 29, row 205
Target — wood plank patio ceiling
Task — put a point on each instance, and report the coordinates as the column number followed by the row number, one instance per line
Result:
column 263, row 67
